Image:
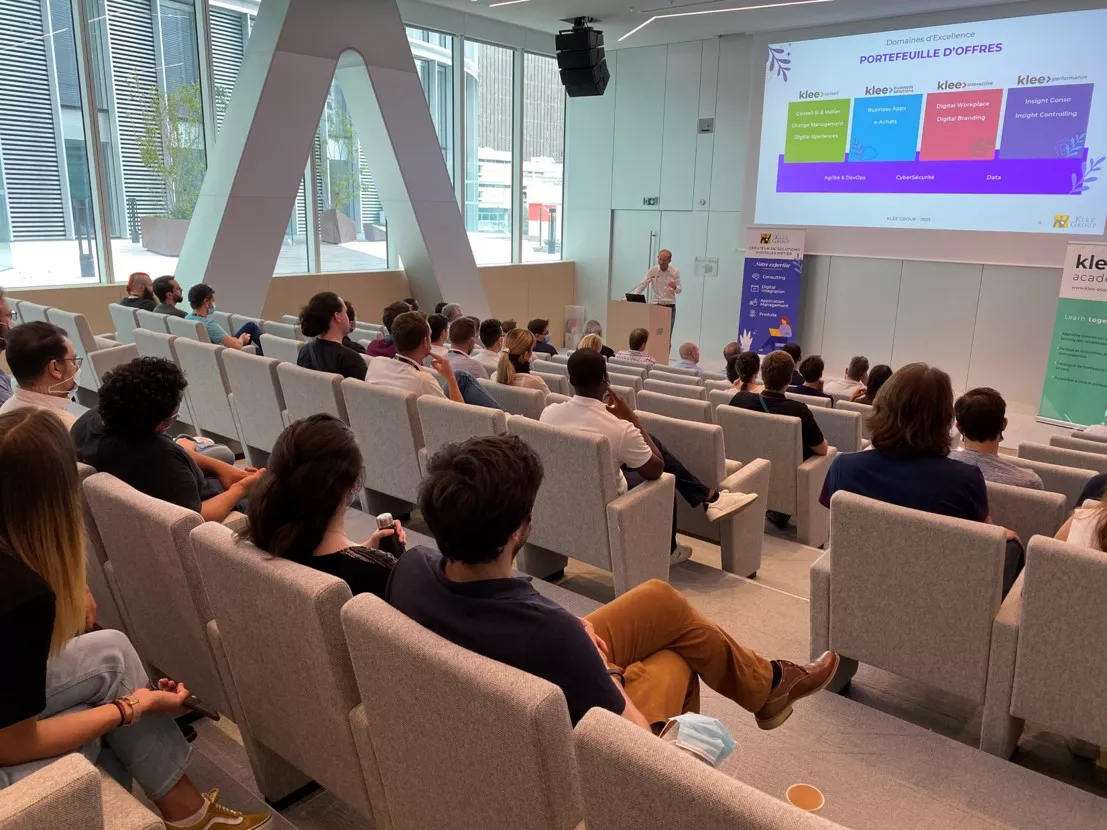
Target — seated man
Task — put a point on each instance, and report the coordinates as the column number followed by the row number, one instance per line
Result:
column 168, row 292
column 731, row 350
column 689, row 358
column 541, row 330
column 384, row 347
column 6, row 318
column 201, row 298
column 126, row 436
column 980, row 416
column 411, row 335
column 641, row 656
column 856, row 374
column 811, row 369
column 439, row 327
column 45, row 365
column 451, row 311
column 463, row 337
column 595, row 408
column 638, row 340
column 492, row 339
column 796, row 353
column 346, row 341
column 140, row 292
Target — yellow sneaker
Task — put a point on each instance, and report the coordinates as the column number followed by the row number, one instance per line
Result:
column 218, row 817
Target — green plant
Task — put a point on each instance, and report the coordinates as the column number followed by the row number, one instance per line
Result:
column 345, row 170
column 172, row 142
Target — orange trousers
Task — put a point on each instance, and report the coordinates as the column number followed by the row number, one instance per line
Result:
column 665, row 646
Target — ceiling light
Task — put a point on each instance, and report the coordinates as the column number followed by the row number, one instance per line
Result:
column 641, row 26
column 507, row 3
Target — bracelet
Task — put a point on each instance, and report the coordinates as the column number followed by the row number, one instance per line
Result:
column 122, row 712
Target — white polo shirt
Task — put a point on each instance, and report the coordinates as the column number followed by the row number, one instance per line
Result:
column 842, row 386
column 26, row 398
column 401, row 373
column 627, row 444
column 489, row 360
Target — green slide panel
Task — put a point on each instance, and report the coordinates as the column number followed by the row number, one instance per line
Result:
column 817, row 130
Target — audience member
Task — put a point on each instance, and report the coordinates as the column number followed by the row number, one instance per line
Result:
column 439, row 327
column 298, row 510
column 742, row 369
column 384, row 347
column 510, row 325
column 140, row 292
column 638, row 340
column 593, row 342
column 438, row 307
column 451, row 311
column 45, row 365
column 731, row 350
column 477, row 499
column 411, row 335
column 811, row 370
column 201, row 298
column 463, row 337
column 1086, row 526
column 594, row 327
column 909, row 464
column 515, row 360
column 6, row 317
column 980, row 416
column 412, row 303
column 125, row 435
column 325, row 321
column 492, row 339
column 852, row 380
column 796, row 353
column 878, row 376
column 169, row 294
column 595, row 408
column 346, row 341
column 541, row 330
column 689, row 358
column 65, row 687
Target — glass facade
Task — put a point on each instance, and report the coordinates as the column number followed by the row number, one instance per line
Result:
column 160, row 74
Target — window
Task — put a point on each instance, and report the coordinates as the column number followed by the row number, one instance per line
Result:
column 434, row 60
column 46, row 227
column 489, row 79
column 543, row 158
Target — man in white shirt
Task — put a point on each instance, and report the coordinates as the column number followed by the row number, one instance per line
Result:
column 664, row 279
column 689, row 358
column 638, row 340
column 492, row 339
column 595, row 408
column 856, row 374
column 45, row 365
column 463, row 336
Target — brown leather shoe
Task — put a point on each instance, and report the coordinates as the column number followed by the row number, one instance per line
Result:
column 795, row 682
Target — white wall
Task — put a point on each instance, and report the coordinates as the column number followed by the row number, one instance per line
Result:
column 984, row 324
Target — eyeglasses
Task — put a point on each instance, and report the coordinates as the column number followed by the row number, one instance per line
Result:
column 76, row 361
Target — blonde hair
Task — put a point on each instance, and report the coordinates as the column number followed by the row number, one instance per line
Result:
column 518, row 343
column 591, row 341
column 41, row 523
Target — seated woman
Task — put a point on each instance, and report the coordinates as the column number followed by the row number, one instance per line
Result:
column 591, row 341
column 298, row 510
column 594, row 327
column 515, row 359
column 909, row 464
column 1087, row 526
column 326, row 320
column 742, row 369
column 878, row 376
column 61, row 690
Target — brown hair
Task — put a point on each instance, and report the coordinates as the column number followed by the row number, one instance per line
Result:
column 776, row 370
column 638, row 339
column 409, row 330
column 518, row 343
column 913, row 413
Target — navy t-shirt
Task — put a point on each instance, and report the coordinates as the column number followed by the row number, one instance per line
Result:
column 509, row 621
column 933, row 484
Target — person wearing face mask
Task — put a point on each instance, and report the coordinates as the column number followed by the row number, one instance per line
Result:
column 169, row 294
column 140, row 292
column 45, row 366
column 515, row 360
column 541, row 330
column 298, row 511
column 201, row 298
column 6, row 317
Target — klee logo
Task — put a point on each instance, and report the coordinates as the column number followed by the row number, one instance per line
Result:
column 877, row 90
column 1033, row 80
column 942, row 85
column 766, row 239
column 1061, row 220
column 806, row 94
column 1090, row 263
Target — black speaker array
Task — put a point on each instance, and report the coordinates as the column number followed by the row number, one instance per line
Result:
column 580, row 57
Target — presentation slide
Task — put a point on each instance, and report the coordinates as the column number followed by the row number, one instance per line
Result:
column 999, row 125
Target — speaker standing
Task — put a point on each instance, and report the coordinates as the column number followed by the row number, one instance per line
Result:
column 664, row 279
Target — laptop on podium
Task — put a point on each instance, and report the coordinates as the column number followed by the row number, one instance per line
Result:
column 635, row 298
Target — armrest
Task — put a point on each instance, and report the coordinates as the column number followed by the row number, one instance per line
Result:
column 819, row 608
column 741, row 536
column 104, row 342
column 236, row 521
column 107, row 335
column 1000, row 732
column 731, row 467
column 639, row 529
column 65, row 792
column 817, row 464
column 750, row 478
column 812, row 519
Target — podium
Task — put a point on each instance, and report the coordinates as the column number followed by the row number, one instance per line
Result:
column 624, row 317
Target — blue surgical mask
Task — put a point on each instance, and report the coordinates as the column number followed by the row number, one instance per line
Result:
column 546, row 337
column 704, row 737
column 212, row 307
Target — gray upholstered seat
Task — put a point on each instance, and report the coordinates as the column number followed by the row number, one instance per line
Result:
column 672, row 374
column 719, row 397
column 796, row 484
column 110, row 610
column 1088, row 436
column 554, row 367
column 494, row 743
column 202, row 364
column 841, row 429
column 303, row 716
column 555, row 383
column 282, row 348
column 556, row 397
column 619, row 379
column 1069, row 481
column 187, row 329
column 580, row 514
column 307, row 392
column 223, row 318
column 1063, row 457
column 700, row 448
column 446, row 422
column 155, row 344
column 516, row 400
column 85, row 344
column 680, row 390
column 719, row 385
column 628, row 367
column 630, row 779
column 386, row 423
column 102, row 361
column 909, row 592
column 294, row 319
column 1075, row 442
column 1027, row 512
column 257, row 401
column 713, row 375
column 153, row 320
column 863, row 409
column 627, row 393
column 1047, row 653
column 810, row 400
column 289, row 331
column 239, row 320
column 560, row 357
column 837, row 397
column 122, row 317
column 673, row 407
column 33, row 312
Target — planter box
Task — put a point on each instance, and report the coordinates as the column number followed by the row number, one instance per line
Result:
column 163, row 235
column 375, row 233
column 336, row 227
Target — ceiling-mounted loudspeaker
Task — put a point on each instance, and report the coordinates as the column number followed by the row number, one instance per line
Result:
column 581, row 60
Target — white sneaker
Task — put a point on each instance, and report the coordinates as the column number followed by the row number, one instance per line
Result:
column 682, row 554
column 727, row 504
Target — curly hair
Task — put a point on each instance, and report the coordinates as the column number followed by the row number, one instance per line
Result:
column 137, row 396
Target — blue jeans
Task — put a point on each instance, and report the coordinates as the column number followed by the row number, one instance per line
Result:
column 255, row 335
column 94, row 669
column 471, row 391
